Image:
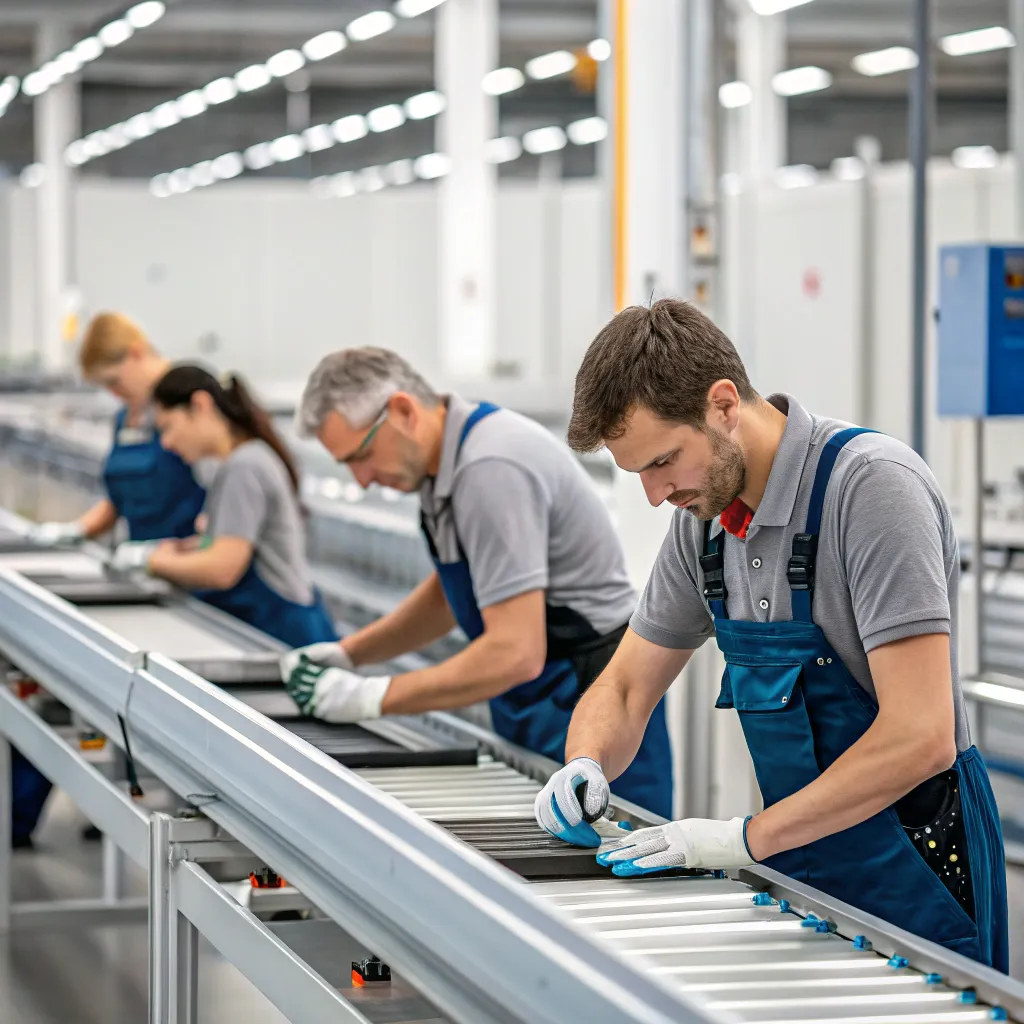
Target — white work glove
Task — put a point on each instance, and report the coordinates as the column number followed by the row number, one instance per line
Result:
column 335, row 694
column 133, row 555
column 329, row 653
column 51, row 534
column 690, row 843
column 557, row 807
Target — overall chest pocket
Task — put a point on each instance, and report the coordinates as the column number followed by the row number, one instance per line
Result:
column 769, row 700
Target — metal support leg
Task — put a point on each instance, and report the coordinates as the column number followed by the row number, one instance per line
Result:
column 159, row 918
column 6, row 809
column 113, row 871
column 185, row 995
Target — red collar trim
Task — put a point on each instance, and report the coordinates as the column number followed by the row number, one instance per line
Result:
column 736, row 519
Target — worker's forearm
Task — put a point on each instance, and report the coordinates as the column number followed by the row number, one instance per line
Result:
column 422, row 618
column 98, row 519
column 486, row 667
column 194, row 570
column 886, row 763
column 607, row 725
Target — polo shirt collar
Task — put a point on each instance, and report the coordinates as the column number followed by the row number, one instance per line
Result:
column 455, row 419
column 776, row 508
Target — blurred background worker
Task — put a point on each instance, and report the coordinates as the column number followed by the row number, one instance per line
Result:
column 251, row 559
column 149, row 487
column 526, row 559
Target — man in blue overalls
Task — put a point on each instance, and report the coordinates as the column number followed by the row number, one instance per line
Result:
column 527, row 564
column 822, row 557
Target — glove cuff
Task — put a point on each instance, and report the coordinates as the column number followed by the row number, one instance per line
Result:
column 746, row 845
column 372, row 692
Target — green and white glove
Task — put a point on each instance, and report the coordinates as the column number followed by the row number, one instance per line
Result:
column 52, row 534
column 329, row 653
column 336, row 694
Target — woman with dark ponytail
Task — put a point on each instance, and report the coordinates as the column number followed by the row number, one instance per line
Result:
column 251, row 558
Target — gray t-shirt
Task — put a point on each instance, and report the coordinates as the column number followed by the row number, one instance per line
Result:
column 251, row 497
column 528, row 518
column 887, row 566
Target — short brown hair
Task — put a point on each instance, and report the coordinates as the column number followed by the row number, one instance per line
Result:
column 108, row 339
column 664, row 358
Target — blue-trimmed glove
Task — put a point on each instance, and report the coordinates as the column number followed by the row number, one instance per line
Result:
column 335, row 694
column 690, row 843
column 558, row 809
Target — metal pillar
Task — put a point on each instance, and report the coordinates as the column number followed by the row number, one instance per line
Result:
column 922, row 98
column 159, row 918
column 1017, row 106
column 761, row 54
column 467, row 48
column 56, row 125
column 183, row 987
column 6, row 809
column 113, row 871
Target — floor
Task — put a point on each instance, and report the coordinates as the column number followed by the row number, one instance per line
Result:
column 99, row 976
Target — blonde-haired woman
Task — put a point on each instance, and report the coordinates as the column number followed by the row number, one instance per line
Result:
column 149, row 487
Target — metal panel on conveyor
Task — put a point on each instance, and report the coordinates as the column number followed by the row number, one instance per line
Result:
column 80, row 578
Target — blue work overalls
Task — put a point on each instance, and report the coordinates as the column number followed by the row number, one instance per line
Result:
column 151, row 487
column 801, row 709
column 536, row 714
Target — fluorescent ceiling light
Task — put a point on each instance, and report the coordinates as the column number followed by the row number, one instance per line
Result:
column 67, row 63
column 544, row 140
column 343, row 184
column 8, row 90
column 319, row 137
column 384, row 119
column 258, row 157
column 885, row 62
column 370, row 179
column 848, row 168
column 414, row 8
column 351, row 128
column 220, row 90
column 287, row 147
column 376, row 23
column 116, row 33
column 166, row 114
column 796, row 176
column 599, row 49
column 253, row 77
column 192, row 104
column 587, row 131
column 503, row 80
column 117, row 136
column 95, row 144
column 76, row 154
column 979, row 40
column 767, row 7
column 145, row 14
column 140, row 126
column 230, row 165
column 501, row 151
column 325, row 45
column 88, row 49
column 32, row 176
column 35, row 84
column 975, row 157
column 424, row 104
column 798, row 81
column 734, row 94
column 432, row 165
column 159, row 186
column 400, row 172
column 285, row 63
column 548, row 65
column 201, row 174
column 180, row 181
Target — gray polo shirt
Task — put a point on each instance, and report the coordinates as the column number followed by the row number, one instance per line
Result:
column 887, row 567
column 251, row 497
column 527, row 516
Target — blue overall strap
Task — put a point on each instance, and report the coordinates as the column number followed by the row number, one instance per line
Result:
column 482, row 411
column 712, row 567
column 805, row 545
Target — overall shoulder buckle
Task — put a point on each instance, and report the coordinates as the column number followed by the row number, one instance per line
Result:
column 800, row 572
column 713, row 569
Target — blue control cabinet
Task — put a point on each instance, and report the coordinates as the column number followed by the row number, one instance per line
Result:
column 981, row 330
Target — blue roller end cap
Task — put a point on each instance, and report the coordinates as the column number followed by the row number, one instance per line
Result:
column 997, row 1013
column 784, row 906
column 898, row 961
column 933, row 978
column 862, row 942
column 968, row 996
column 810, row 921
column 718, row 873
column 762, row 899
column 824, row 927
column 582, row 834
column 625, row 826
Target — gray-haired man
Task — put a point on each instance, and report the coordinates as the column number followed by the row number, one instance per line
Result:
column 527, row 564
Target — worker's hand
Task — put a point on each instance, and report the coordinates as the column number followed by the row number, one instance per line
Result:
column 690, row 843
column 52, row 534
column 133, row 555
column 329, row 653
column 335, row 694
column 558, row 808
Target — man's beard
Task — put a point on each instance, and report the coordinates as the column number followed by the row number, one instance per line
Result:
column 723, row 482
